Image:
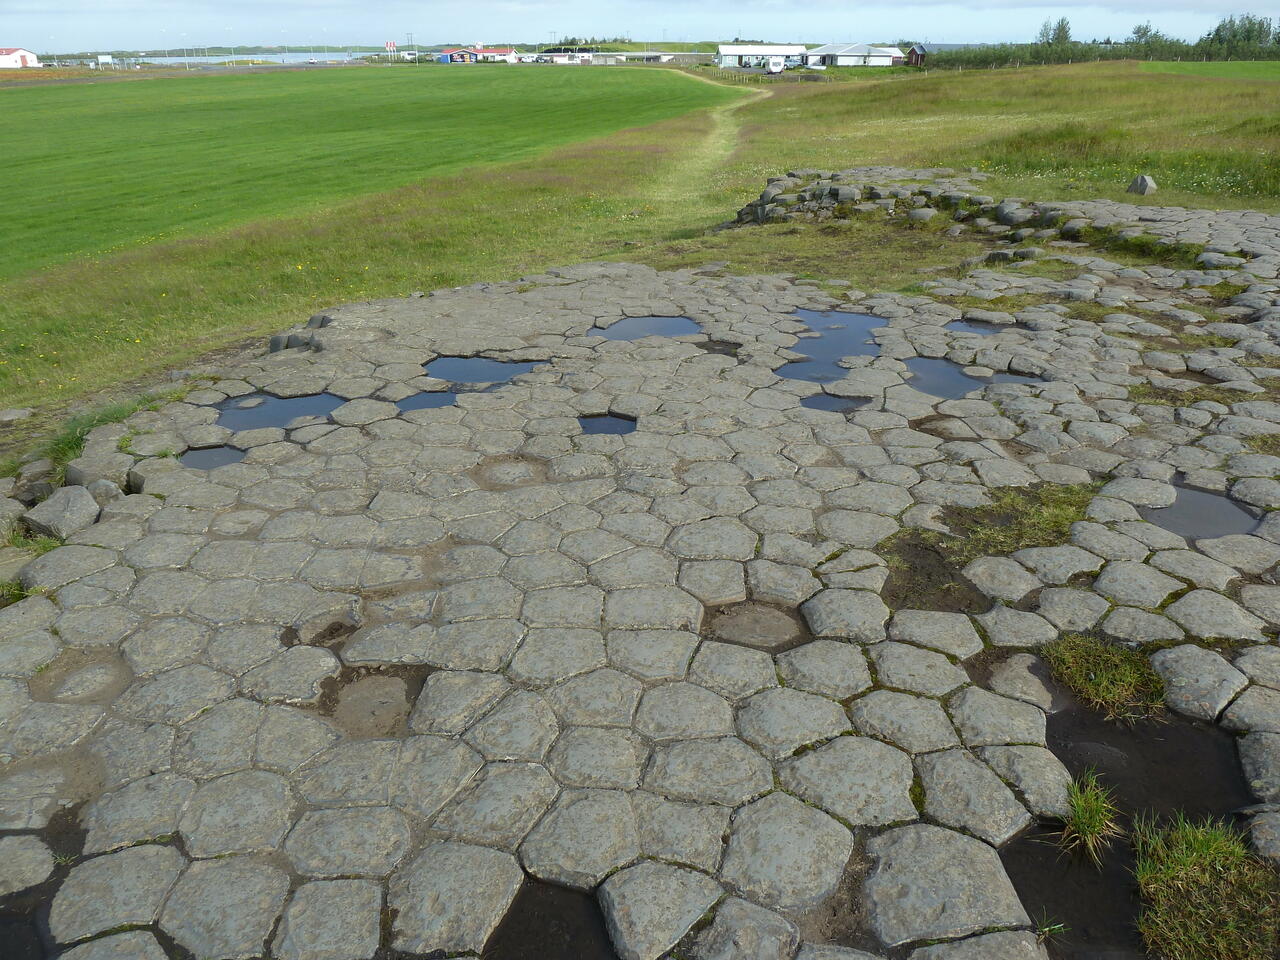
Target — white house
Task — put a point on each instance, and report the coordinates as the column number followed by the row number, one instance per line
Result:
column 13, row 58
column 854, row 55
column 496, row 54
column 755, row 54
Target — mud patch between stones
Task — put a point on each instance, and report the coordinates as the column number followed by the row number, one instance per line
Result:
column 373, row 701
column 922, row 578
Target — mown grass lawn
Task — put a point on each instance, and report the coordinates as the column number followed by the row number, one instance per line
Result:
column 647, row 192
column 90, row 167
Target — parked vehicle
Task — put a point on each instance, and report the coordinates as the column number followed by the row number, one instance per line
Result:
column 775, row 65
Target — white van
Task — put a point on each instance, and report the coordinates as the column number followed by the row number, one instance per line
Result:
column 775, row 65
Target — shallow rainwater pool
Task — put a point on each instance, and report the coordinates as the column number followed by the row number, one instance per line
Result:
column 256, row 410
column 825, row 401
column 839, row 335
column 940, row 377
column 477, row 369
column 428, row 400
column 977, row 326
column 635, row 328
column 607, row 424
column 1200, row 513
column 207, row 458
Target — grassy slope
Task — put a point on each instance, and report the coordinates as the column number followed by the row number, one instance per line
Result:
column 179, row 157
column 644, row 194
column 1235, row 69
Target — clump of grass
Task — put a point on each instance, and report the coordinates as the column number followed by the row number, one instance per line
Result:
column 1038, row 516
column 1106, row 676
column 1048, row 929
column 32, row 543
column 1268, row 443
column 1163, row 396
column 11, row 591
column 68, row 442
column 1205, row 895
column 1094, row 819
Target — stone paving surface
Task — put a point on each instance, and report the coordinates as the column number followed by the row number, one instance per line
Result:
column 349, row 691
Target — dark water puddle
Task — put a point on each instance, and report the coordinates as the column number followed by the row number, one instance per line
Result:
column 547, row 922
column 428, row 400
column 1155, row 766
column 976, row 326
column 256, row 410
column 478, row 369
column 1199, row 513
column 207, row 458
column 839, row 335
column 722, row 347
column 636, row 328
column 607, row 424
column 1097, row 904
column 940, row 377
column 825, row 401
column 1152, row 767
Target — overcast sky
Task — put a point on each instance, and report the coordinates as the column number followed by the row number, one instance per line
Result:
column 67, row 25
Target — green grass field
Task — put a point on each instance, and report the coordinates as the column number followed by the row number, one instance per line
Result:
column 92, row 167
column 632, row 185
column 1232, row 70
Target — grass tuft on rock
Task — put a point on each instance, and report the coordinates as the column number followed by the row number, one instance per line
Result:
column 1017, row 517
column 1094, row 819
column 1106, row 676
column 1205, row 895
column 11, row 591
column 35, row 544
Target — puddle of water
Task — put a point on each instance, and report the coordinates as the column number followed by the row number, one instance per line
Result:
column 635, row 328
column 262, row 410
column 824, row 401
column 1199, row 513
column 976, row 326
column 1097, row 904
column 207, row 458
column 607, row 424
column 1160, row 766
column 721, row 347
column 839, row 335
column 477, row 369
column 547, row 922
column 1154, row 767
column 428, row 400
column 940, row 377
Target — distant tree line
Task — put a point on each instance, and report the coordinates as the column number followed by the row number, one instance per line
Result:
column 590, row 41
column 1243, row 37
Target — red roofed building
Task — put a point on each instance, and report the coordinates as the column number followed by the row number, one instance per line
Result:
column 494, row 54
column 13, row 58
